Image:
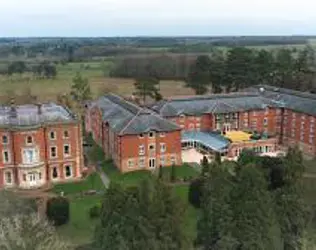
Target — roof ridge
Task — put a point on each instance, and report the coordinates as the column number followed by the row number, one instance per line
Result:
column 133, row 119
column 213, row 96
column 123, row 101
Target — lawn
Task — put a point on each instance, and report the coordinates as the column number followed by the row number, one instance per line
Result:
column 182, row 172
column 80, row 228
column 92, row 182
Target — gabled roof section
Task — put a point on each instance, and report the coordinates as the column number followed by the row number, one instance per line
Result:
column 221, row 103
column 291, row 99
column 127, row 118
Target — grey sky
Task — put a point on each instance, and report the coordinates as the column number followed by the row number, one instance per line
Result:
column 156, row 17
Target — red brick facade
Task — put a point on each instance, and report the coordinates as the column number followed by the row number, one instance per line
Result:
column 30, row 158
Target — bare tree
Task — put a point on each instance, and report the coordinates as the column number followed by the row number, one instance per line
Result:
column 22, row 227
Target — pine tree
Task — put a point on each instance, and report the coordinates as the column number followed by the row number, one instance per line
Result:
column 173, row 174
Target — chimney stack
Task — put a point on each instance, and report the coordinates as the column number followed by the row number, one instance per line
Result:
column 39, row 108
column 13, row 113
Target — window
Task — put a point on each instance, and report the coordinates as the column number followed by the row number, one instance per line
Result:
column 152, row 163
column 198, row 119
column 8, row 177
column 5, row 139
column 162, row 160
column 162, row 134
column 29, row 139
column 66, row 134
column 53, row 152
column 182, row 117
column 66, row 150
column 141, row 162
column 6, row 157
column 68, row 171
column 151, row 134
column 130, row 163
column 162, row 147
column 39, row 175
column 141, row 136
column 173, row 160
column 30, row 155
column 24, row 177
column 52, row 135
column 265, row 121
column 151, row 147
column 55, row 173
column 141, row 149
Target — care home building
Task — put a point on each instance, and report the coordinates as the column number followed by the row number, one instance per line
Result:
column 135, row 138
column 39, row 144
column 264, row 119
column 280, row 116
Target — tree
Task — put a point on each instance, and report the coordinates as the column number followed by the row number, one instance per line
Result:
column 205, row 166
column 199, row 77
column 16, row 67
column 58, row 210
column 293, row 163
column 264, row 67
column 239, row 69
column 160, row 174
column 255, row 221
column 28, row 232
column 145, row 217
column 195, row 192
column 21, row 228
column 218, row 158
column 173, row 174
column 147, row 87
column 215, row 224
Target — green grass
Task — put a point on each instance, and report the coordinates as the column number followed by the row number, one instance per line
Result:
column 182, row 172
column 191, row 213
column 92, row 182
column 80, row 228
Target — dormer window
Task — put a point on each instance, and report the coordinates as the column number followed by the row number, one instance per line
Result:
column 29, row 139
column 141, row 136
column 151, row 134
column 52, row 135
column 182, row 117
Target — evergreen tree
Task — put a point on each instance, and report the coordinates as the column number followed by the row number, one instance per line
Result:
column 199, row 78
column 147, row 87
column 216, row 221
column 173, row 174
column 160, row 174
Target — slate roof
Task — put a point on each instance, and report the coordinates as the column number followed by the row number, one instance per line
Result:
column 256, row 98
column 28, row 116
column 222, row 103
column 127, row 118
column 295, row 100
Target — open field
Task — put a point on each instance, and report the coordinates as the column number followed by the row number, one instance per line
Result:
column 48, row 89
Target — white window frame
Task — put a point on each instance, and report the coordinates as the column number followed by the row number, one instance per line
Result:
column 65, row 171
column 55, row 135
column 153, row 134
column 163, row 147
column 9, row 156
column 5, row 177
column 141, row 149
column 66, row 137
column 153, row 149
column 141, row 136
column 150, row 160
column 52, row 172
column 5, row 143
column 162, row 134
column 69, row 149
column 162, row 160
column 130, row 163
column 26, row 140
column 173, row 160
column 141, row 162
column 50, row 152
column 36, row 155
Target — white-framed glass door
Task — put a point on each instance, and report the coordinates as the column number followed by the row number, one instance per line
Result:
column 152, row 163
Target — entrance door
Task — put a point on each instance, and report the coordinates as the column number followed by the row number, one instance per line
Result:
column 152, row 163
column 32, row 178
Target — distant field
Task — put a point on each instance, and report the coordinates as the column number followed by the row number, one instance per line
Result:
column 96, row 72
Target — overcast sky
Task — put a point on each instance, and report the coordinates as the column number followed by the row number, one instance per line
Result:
column 156, row 17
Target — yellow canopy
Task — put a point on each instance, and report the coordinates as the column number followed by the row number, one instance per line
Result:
column 237, row 136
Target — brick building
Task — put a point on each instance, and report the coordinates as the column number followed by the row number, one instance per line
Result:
column 287, row 115
column 135, row 138
column 39, row 144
